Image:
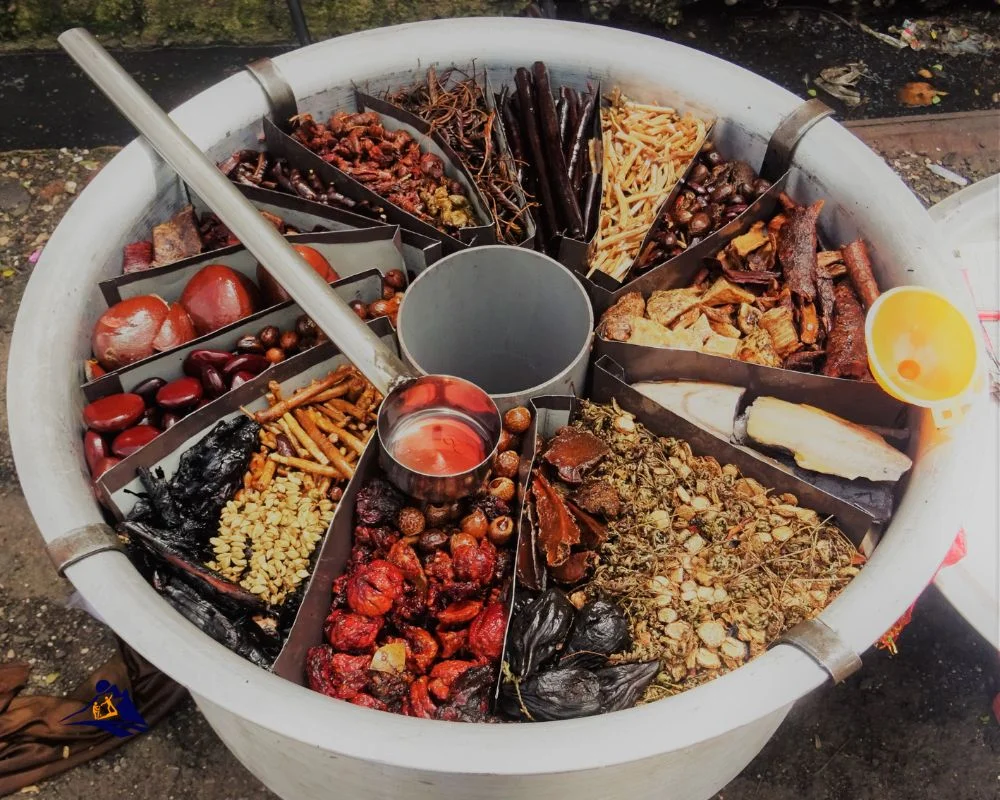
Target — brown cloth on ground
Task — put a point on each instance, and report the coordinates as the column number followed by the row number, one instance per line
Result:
column 33, row 737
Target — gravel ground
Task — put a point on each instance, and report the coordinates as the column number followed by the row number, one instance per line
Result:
column 917, row 725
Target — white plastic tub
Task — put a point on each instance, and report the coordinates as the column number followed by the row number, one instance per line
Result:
column 303, row 745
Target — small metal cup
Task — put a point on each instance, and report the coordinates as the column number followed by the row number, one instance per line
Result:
column 513, row 321
column 455, row 397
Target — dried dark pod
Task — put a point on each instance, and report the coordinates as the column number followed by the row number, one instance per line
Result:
column 624, row 684
column 600, row 629
column 565, row 693
column 538, row 631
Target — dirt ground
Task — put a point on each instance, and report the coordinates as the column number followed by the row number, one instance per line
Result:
column 916, row 725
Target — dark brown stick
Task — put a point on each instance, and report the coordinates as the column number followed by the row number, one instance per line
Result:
column 576, row 160
column 573, row 98
column 529, row 123
column 859, row 270
column 568, row 204
column 562, row 112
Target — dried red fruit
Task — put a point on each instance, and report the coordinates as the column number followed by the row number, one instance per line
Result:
column 217, row 295
column 336, row 674
column 438, row 567
column 572, row 452
column 420, row 704
column 474, row 563
column 373, row 589
column 405, row 557
column 421, row 649
column 352, row 633
column 599, row 497
column 459, row 613
column 557, row 530
column 444, row 674
column 486, row 632
column 367, row 701
column 452, row 641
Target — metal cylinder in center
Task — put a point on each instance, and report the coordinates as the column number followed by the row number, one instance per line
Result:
column 514, row 322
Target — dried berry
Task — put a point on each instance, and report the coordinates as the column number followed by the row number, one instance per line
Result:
column 378, row 503
column 411, row 521
column 502, row 489
column 516, row 420
column 506, row 464
column 501, row 530
column 475, row 524
column 269, row 336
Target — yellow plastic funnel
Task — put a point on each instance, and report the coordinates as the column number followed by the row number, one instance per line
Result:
column 922, row 350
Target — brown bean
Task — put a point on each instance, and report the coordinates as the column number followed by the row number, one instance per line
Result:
column 247, row 362
column 432, row 540
column 306, row 328
column 249, row 344
column 239, row 378
column 211, row 380
column 289, row 341
column 699, row 173
column 196, row 358
column 700, row 223
column 720, row 193
column 269, row 337
column 283, row 446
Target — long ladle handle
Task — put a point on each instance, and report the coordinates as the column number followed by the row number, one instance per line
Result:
column 330, row 313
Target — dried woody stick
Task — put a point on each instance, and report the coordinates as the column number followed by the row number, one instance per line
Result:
column 329, row 450
column 282, row 407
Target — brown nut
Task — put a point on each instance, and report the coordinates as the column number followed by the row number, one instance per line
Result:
column 289, row 341
column 502, row 489
column 269, row 336
column 388, row 293
column 432, row 540
column 439, row 515
column 475, row 524
column 411, row 521
column 395, row 279
column 335, row 493
column 507, row 441
column 359, row 308
column 274, row 355
column 517, row 420
column 461, row 540
column 506, row 464
column 379, row 308
column 700, row 223
column 501, row 529
column 249, row 344
column 306, row 328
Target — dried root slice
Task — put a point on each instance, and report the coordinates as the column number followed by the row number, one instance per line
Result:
column 711, row 406
column 823, row 442
column 751, row 240
column 780, row 327
column 757, row 348
column 666, row 306
column 722, row 292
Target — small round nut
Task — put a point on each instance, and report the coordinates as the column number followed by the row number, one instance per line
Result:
column 359, row 308
column 395, row 279
column 269, row 336
column 379, row 308
column 411, row 521
column 502, row 489
column 274, row 355
column 438, row 515
column 517, row 420
column 501, row 529
column 475, row 524
column 506, row 464
column 507, row 441
column 289, row 341
column 431, row 540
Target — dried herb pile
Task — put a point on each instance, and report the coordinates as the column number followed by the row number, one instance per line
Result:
column 709, row 566
column 458, row 111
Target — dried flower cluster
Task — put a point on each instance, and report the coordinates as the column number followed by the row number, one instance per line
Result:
column 709, row 566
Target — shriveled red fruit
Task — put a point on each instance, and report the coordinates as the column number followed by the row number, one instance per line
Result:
column 114, row 413
column 218, row 295
column 351, row 633
column 452, row 641
column 136, row 328
column 373, row 589
column 133, row 439
column 475, row 563
column 273, row 292
column 459, row 613
column 444, row 674
column 486, row 632
column 421, row 648
column 420, row 704
column 367, row 701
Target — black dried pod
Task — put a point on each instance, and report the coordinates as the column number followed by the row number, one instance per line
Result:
column 600, row 629
column 565, row 693
column 378, row 503
column 538, row 631
column 624, row 684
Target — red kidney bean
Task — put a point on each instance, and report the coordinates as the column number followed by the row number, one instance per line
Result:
column 247, row 362
column 239, row 378
column 196, row 358
column 114, row 413
column 170, row 419
column 151, row 417
column 211, row 380
column 95, row 447
column 148, row 388
column 103, row 465
column 180, row 394
column 92, row 370
column 128, row 441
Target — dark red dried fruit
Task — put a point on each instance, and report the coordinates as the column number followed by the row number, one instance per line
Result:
column 367, row 701
column 474, row 563
column 452, row 641
column 421, row 649
column 420, row 704
column 378, row 503
column 336, row 674
column 459, row 613
column 575, row 568
column 351, row 633
column 486, row 632
column 572, row 452
column 373, row 589
column 444, row 674
column 592, row 533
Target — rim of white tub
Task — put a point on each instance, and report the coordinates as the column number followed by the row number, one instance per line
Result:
column 42, row 388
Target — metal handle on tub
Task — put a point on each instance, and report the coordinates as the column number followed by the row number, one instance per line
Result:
column 333, row 316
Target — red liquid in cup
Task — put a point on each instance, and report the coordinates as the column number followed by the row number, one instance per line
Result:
column 438, row 443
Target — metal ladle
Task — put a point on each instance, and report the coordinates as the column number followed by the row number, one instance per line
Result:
column 409, row 397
